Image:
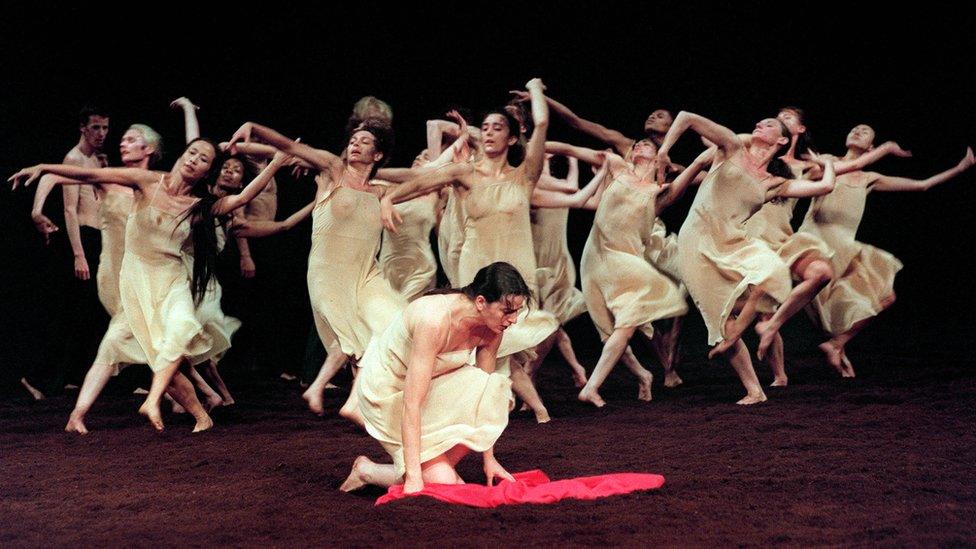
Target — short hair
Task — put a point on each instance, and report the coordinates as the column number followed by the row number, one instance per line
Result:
column 153, row 139
column 364, row 108
column 89, row 111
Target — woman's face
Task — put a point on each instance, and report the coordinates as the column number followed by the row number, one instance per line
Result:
column 230, row 178
column 861, row 137
column 769, row 131
column 791, row 120
column 196, row 160
column 644, row 149
column 362, row 148
column 658, row 121
column 499, row 315
column 133, row 147
column 496, row 135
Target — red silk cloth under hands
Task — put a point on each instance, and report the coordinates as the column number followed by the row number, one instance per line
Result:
column 531, row 487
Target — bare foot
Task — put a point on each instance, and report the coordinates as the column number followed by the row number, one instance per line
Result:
column 834, row 355
column 212, row 402
column 76, row 424
column 203, row 423
column 313, row 397
column 153, row 414
column 228, row 400
column 766, row 338
column 592, row 397
column 352, row 413
column 579, row 377
column 671, row 379
column 722, row 346
column 34, row 393
column 644, row 387
column 542, row 416
column 524, row 408
column 752, row 399
column 779, row 382
column 357, row 476
column 848, row 367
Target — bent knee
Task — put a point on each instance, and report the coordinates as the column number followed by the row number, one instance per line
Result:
column 819, row 271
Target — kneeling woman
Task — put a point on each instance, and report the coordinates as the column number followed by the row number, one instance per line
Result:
column 420, row 396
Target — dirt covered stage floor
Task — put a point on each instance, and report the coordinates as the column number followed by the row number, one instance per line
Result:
column 883, row 459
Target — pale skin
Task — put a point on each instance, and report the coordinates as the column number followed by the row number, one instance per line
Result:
column 492, row 167
column 754, row 154
column 443, row 323
column 354, row 172
column 859, row 144
column 173, row 194
column 641, row 172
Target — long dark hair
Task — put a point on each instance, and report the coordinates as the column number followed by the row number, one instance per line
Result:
column 516, row 152
column 493, row 282
column 203, row 226
column 777, row 166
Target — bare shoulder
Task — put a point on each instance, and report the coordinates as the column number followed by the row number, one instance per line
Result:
column 428, row 316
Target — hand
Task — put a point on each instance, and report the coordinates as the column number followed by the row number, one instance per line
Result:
column 183, row 103
column 521, row 96
column 242, row 135
column 412, row 485
column 494, row 470
column 535, row 82
column 968, row 160
column 389, row 215
column 818, row 158
column 896, row 150
column 27, row 175
column 81, row 268
column 663, row 166
column 282, row 158
column 44, row 226
column 248, row 268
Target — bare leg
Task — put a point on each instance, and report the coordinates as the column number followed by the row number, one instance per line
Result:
column 523, row 387
column 738, row 357
column 776, row 359
column 350, row 410
column 816, row 274
column 95, row 380
column 160, row 381
column 644, row 378
column 214, row 374
column 569, row 354
column 313, row 395
column 671, row 339
column 34, row 393
column 735, row 326
column 541, row 352
column 182, row 392
column 612, row 351
column 212, row 398
column 365, row 471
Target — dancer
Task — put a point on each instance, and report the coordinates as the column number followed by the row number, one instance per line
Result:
column 496, row 226
column 172, row 211
column 719, row 262
column 351, row 300
column 624, row 292
column 422, row 398
column 865, row 275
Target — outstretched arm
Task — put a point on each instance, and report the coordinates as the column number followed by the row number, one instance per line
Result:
column 431, row 180
column 614, row 138
column 724, row 138
column 191, row 126
column 535, row 151
column 77, row 175
column 320, row 159
column 231, row 202
column 259, row 229
column 802, row 188
column 590, row 156
column 888, row 183
column 586, row 198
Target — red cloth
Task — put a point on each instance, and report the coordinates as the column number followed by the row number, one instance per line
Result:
column 531, row 487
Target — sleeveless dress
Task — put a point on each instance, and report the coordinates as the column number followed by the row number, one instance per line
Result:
column 464, row 404
column 406, row 257
column 622, row 289
column 497, row 228
column 154, row 287
column 771, row 224
column 556, row 274
column 351, row 300
column 717, row 258
column 118, row 346
column 864, row 275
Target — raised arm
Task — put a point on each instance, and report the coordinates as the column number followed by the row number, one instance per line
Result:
column 686, row 178
column 191, row 126
column 586, row 198
column 535, row 151
column 431, row 180
column 724, row 138
column 231, row 202
column 569, row 185
column 322, row 160
column 802, row 188
column 590, row 156
column 889, row 183
column 615, row 139
column 260, row 229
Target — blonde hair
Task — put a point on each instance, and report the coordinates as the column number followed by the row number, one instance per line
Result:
column 371, row 107
column 152, row 139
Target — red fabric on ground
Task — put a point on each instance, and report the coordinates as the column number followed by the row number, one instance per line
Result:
column 531, row 487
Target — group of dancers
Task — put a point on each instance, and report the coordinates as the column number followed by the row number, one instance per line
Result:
column 436, row 368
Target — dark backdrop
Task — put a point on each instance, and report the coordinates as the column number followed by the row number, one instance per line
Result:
column 300, row 69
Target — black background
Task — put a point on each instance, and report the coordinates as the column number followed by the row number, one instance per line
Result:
column 299, row 70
